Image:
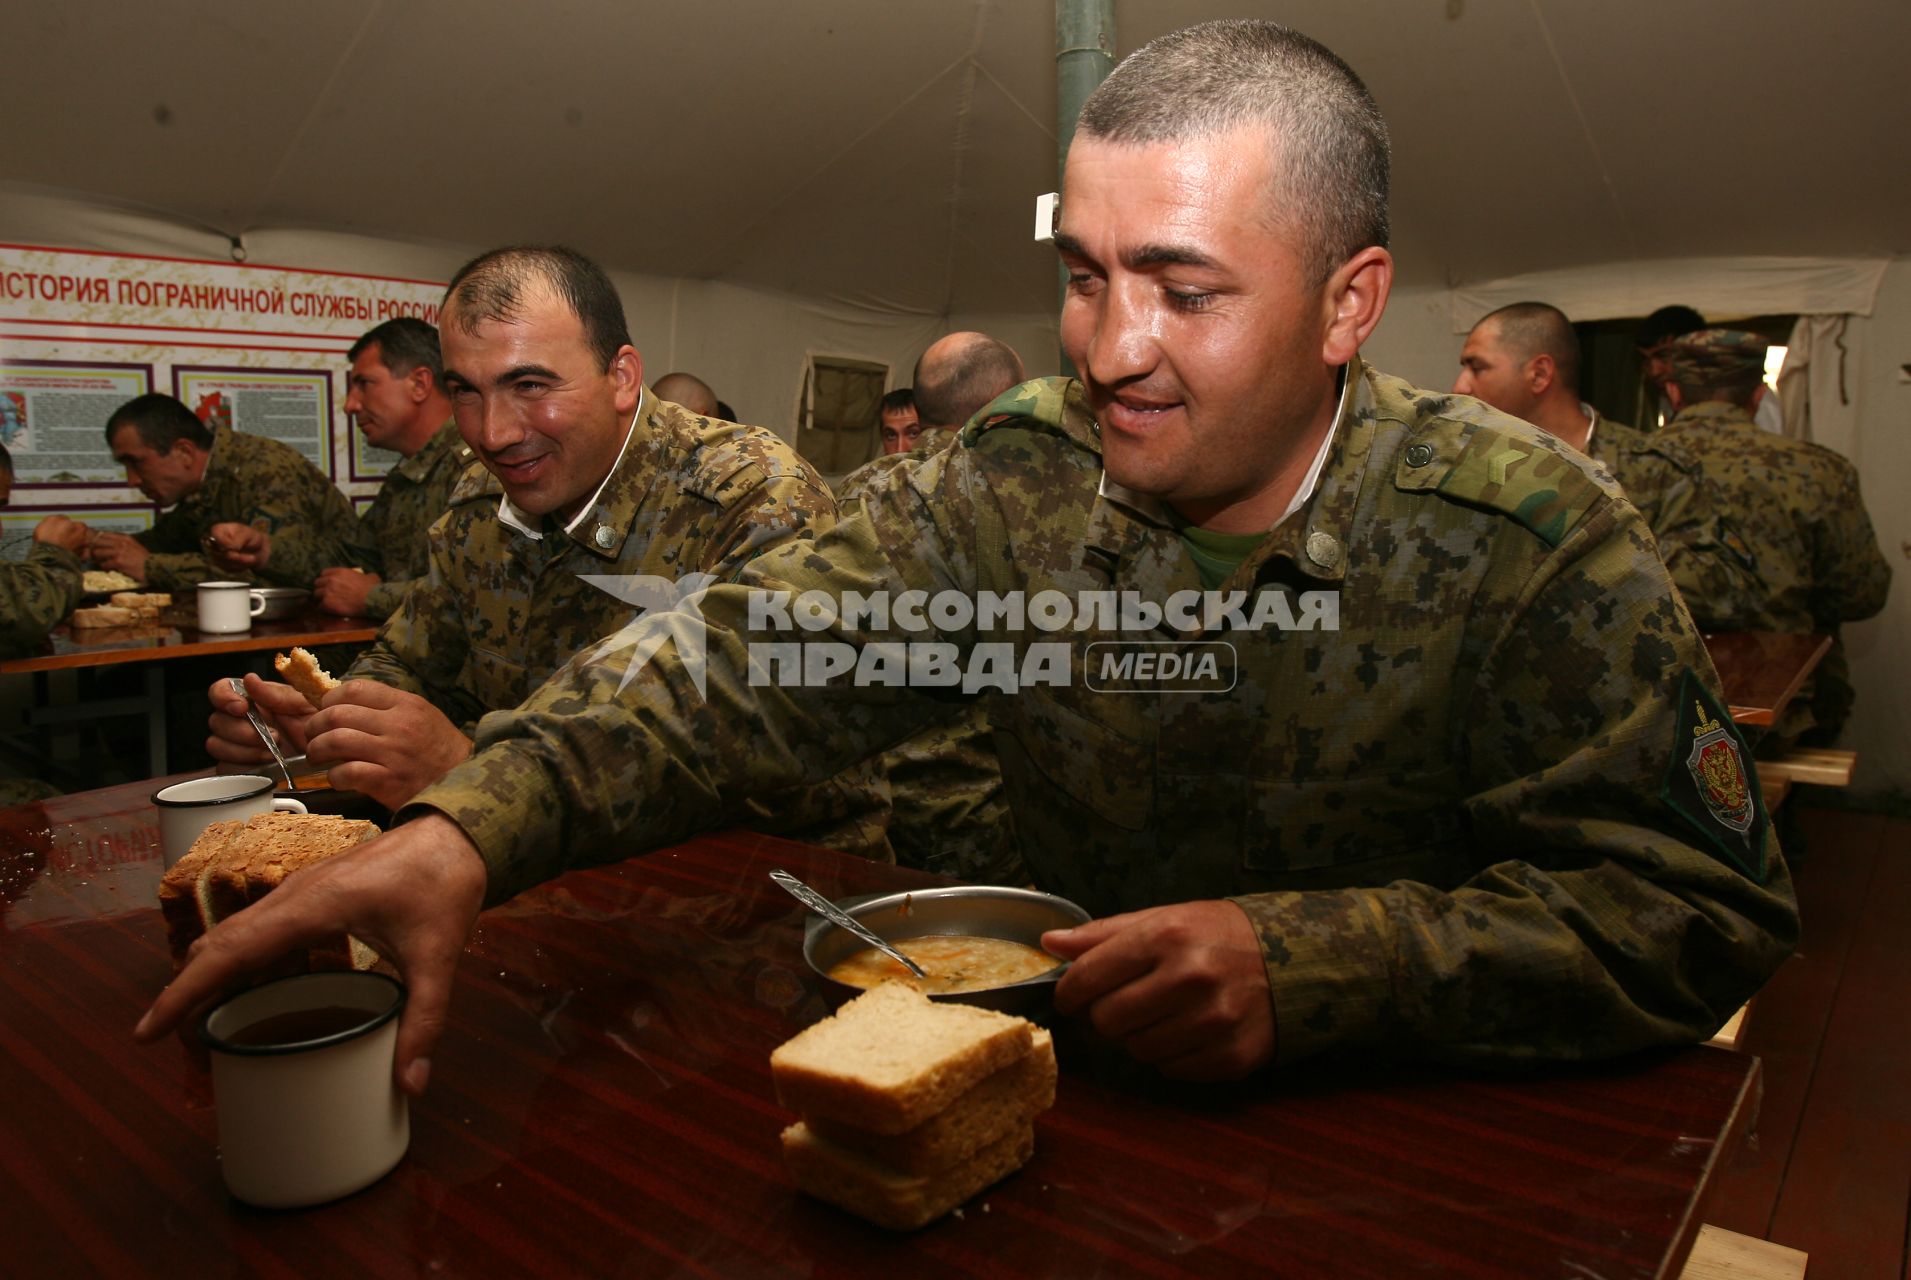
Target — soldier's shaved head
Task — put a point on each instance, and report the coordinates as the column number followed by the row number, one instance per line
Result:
column 959, row 374
column 688, row 390
column 492, row 287
column 1329, row 142
column 1528, row 329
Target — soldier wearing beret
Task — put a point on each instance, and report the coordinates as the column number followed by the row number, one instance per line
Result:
column 1467, row 789
column 1761, row 532
column 207, row 478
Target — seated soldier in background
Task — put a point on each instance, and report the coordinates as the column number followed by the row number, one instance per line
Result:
column 949, row 812
column 897, row 425
column 594, row 496
column 397, row 401
column 37, row 592
column 690, row 391
column 1461, row 820
column 1761, row 532
column 1524, row 360
column 209, row 478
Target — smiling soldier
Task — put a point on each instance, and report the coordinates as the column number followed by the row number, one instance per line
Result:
column 1458, row 816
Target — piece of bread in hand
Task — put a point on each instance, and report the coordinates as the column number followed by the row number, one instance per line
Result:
column 105, row 615
column 234, row 864
column 891, row 1058
column 890, row 1198
column 302, row 671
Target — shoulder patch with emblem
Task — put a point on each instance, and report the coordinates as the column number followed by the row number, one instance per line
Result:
column 1539, row 487
column 1053, row 404
column 1710, row 782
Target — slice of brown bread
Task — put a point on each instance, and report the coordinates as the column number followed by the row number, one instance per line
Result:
column 891, row 1058
column 993, row 1107
column 104, row 615
column 184, row 891
column 141, row 599
column 900, row 1201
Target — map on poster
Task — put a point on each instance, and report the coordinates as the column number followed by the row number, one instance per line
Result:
column 260, row 347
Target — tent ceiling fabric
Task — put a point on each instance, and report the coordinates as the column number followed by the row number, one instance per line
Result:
column 886, row 153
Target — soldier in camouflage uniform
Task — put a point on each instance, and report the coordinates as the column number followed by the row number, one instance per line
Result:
column 949, row 812
column 43, row 588
column 1477, row 799
column 1524, row 360
column 208, row 478
column 397, row 402
column 515, row 591
column 1761, row 532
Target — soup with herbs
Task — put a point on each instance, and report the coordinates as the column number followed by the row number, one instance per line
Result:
column 955, row 963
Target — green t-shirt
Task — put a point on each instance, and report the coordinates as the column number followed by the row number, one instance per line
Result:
column 1218, row 555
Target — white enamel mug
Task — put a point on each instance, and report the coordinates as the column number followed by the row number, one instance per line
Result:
column 302, row 1081
column 188, row 808
column 228, row 606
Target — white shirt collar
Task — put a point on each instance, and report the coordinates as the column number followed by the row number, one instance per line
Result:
column 526, row 525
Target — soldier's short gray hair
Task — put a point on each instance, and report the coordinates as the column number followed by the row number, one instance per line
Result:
column 1528, row 329
column 1330, row 143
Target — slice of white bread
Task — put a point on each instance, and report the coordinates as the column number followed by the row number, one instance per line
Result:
column 302, row 671
column 1006, row 1101
column 891, row 1058
column 141, row 599
column 105, row 615
column 100, row 581
column 900, row 1201
column 234, row 864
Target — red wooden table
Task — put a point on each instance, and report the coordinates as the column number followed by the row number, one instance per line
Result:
column 601, row 1105
column 1762, row 671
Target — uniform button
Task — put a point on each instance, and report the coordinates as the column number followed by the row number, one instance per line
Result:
column 1322, row 549
column 1419, row 455
column 605, row 536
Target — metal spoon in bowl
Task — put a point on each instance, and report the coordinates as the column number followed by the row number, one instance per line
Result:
column 835, row 915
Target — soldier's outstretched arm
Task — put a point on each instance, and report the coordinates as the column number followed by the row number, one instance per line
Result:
column 1851, row 577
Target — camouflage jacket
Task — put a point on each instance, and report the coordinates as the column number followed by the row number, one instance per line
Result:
column 253, row 480
column 949, row 812
column 1493, row 811
column 1765, row 533
column 500, row 610
column 37, row 592
column 391, row 538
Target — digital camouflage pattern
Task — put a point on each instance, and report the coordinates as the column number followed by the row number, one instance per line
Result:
column 251, row 480
column 499, row 612
column 392, row 538
column 1713, row 357
column 1612, row 442
column 1444, row 818
column 949, row 813
column 38, row 592
column 1765, row 533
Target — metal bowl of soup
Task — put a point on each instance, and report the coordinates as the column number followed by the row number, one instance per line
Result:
column 938, row 918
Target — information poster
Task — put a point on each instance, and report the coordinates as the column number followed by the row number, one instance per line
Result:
column 53, row 418
column 294, row 408
column 369, row 462
column 262, row 348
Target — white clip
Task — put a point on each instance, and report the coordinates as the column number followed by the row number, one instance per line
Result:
column 1047, row 216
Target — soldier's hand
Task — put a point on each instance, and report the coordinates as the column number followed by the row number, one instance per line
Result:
column 382, row 741
column 1181, row 986
column 344, row 591
column 238, row 547
column 119, row 551
column 60, row 531
column 412, row 894
column 233, row 741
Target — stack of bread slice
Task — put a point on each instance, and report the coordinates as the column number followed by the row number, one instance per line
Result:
column 909, row 1106
column 234, row 864
column 126, row 609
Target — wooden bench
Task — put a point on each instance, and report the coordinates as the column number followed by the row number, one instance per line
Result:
column 1726, row 1255
column 1823, row 768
